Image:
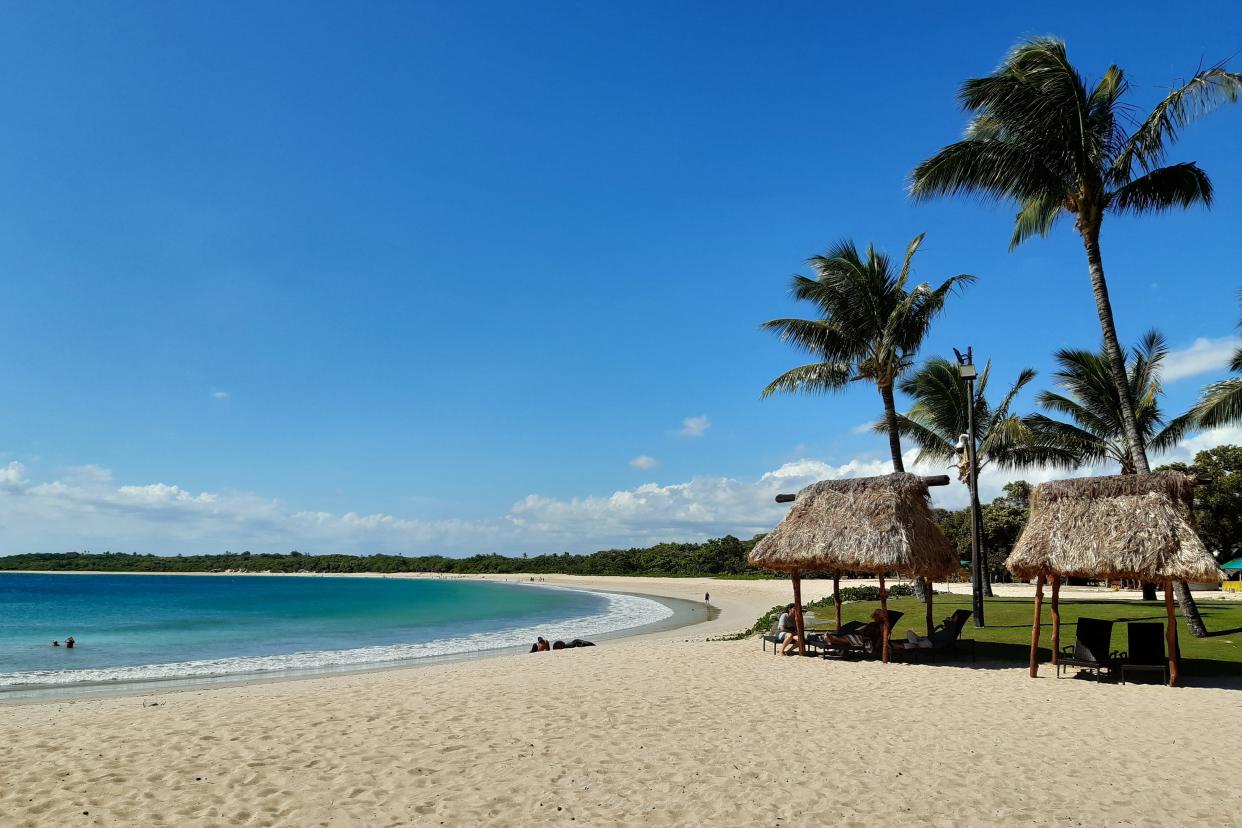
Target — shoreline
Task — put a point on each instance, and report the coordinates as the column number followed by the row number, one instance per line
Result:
column 684, row 614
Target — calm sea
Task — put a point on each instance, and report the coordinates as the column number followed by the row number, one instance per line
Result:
column 150, row 627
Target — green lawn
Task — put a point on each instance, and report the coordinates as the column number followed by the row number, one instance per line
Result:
column 1007, row 636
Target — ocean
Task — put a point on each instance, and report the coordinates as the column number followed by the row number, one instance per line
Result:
column 143, row 628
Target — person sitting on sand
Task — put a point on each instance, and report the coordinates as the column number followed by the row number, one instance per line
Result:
column 787, row 630
column 540, row 645
column 69, row 642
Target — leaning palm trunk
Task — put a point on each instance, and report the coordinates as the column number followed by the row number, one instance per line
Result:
column 1134, row 441
column 1116, row 359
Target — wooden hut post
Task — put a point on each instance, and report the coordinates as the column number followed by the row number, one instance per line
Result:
column 1039, row 606
column 1056, row 617
column 884, row 620
column 927, row 609
column 1171, row 633
column 797, row 585
column 836, row 595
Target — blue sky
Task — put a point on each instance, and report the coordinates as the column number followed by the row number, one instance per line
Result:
column 429, row 277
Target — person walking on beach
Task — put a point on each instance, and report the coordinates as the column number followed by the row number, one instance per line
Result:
column 707, row 597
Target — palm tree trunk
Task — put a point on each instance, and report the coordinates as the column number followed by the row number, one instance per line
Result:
column 1117, row 363
column 894, row 447
column 1116, row 359
column 890, row 422
column 1190, row 610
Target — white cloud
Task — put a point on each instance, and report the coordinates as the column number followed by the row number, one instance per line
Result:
column 695, row 426
column 1203, row 355
column 220, row 395
column 863, row 428
column 644, row 462
column 84, row 508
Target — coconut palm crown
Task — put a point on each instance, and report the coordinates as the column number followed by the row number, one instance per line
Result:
column 869, row 327
column 939, row 417
column 1042, row 137
column 1092, row 430
column 1222, row 401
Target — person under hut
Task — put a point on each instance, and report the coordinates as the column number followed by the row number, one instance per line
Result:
column 787, row 630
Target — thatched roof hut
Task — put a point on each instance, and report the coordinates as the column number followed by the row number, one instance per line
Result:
column 1126, row 526
column 863, row 524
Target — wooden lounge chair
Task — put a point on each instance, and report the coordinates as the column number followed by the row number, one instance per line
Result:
column 1090, row 648
column 866, row 640
column 1145, row 651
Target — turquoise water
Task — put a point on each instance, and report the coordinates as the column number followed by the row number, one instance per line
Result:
column 149, row 627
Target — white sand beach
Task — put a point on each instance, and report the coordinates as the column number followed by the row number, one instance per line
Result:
column 665, row 729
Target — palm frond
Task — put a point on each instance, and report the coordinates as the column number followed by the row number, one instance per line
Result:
column 815, row 378
column 1221, row 404
column 1179, row 185
column 1037, row 217
column 992, row 169
column 1202, row 93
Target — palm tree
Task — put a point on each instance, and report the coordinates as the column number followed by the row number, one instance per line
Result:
column 1093, row 429
column 1222, row 401
column 939, row 417
column 869, row 326
column 1042, row 138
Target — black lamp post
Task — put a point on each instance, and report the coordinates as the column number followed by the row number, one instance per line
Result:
column 966, row 370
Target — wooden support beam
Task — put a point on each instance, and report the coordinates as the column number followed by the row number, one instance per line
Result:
column 797, row 585
column 836, row 595
column 1056, row 618
column 883, row 620
column 928, row 480
column 1039, row 606
column 927, row 610
column 1171, row 634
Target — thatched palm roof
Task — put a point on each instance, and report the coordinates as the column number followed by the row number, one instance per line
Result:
column 864, row 524
column 1125, row 526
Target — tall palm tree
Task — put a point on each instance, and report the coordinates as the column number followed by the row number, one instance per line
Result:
column 1093, row 430
column 1043, row 138
column 939, row 417
column 869, row 327
column 1222, row 401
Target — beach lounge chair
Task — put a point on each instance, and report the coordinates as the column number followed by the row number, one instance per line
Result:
column 818, row 638
column 945, row 638
column 1145, row 651
column 865, row 640
column 773, row 638
column 1090, row 648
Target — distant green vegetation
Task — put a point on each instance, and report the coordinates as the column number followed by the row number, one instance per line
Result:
column 719, row 556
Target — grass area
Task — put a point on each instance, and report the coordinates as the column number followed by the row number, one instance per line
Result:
column 1007, row 636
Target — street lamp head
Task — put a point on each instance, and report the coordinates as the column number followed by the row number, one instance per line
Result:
column 961, row 443
column 967, row 371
